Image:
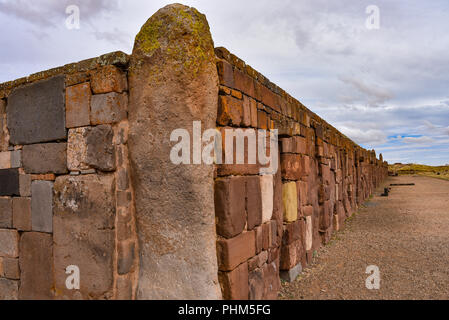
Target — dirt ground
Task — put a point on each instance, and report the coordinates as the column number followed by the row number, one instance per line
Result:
column 406, row 235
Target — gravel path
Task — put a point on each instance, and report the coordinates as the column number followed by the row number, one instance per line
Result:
column 406, row 235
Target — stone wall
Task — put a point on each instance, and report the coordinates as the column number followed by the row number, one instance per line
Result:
column 323, row 178
column 77, row 194
column 65, row 195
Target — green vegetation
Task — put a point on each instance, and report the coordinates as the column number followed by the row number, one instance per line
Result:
column 441, row 172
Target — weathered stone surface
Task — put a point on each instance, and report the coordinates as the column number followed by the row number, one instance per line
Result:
column 256, row 285
column 84, row 218
column 42, row 206
column 232, row 252
column 36, row 112
column 230, row 206
column 108, row 108
column 108, row 79
column 9, row 268
column 292, row 233
column 271, row 281
column 25, row 185
column 267, row 187
column 292, row 274
column 45, row 158
column 290, row 200
column 9, row 182
column 22, row 214
column 253, row 202
column 36, row 255
column 5, row 213
column 91, row 147
column 124, row 288
column 9, row 243
column 126, row 256
column 78, row 105
column 9, row 289
column 173, row 82
column 235, row 283
column 5, row 160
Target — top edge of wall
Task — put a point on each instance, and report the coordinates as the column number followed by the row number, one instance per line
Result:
column 236, row 62
column 117, row 58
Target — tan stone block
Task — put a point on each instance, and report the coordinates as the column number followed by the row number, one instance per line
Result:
column 78, row 105
column 5, row 160
column 108, row 108
column 9, row 268
column 309, row 233
column 9, row 289
column 267, row 190
column 9, row 243
column 290, row 201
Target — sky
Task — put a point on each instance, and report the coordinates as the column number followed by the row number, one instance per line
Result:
column 386, row 88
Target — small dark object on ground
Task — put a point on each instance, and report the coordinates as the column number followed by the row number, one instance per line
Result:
column 386, row 191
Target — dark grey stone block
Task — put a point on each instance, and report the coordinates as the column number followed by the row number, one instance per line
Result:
column 45, row 158
column 42, row 206
column 36, row 112
column 291, row 274
column 9, row 182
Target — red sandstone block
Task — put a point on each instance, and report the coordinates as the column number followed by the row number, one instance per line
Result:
column 266, row 235
column 325, row 172
column 326, row 212
column 259, row 239
column 258, row 261
column 253, row 202
column 273, row 254
column 256, row 285
column 300, row 145
column 232, row 252
column 307, row 211
column 262, row 120
column 254, row 115
column 225, row 73
column 244, row 83
column 291, row 166
column 234, row 284
column 78, row 105
column 288, row 145
column 303, row 192
column 291, row 255
column 291, row 233
column 272, row 282
column 230, row 206
column 269, row 98
column 246, row 120
column 273, row 234
column 108, row 79
column 230, row 111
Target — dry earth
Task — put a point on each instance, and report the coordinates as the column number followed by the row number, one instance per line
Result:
column 406, row 235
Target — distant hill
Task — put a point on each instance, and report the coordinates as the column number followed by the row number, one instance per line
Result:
column 420, row 169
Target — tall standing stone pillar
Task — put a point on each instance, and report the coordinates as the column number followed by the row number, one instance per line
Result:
column 173, row 81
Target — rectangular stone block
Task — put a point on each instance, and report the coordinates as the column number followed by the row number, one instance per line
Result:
column 234, row 284
column 22, row 214
column 108, row 108
column 36, row 112
column 5, row 160
column 291, row 166
column 309, row 233
column 5, row 213
column 16, row 159
column 108, row 79
column 84, row 221
column 230, row 111
column 233, row 252
column 36, row 255
column 45, row 158
column 91, row 147
column 78, row 105
column 9, row 289
column 291, row 255
column 25, row 185
column 9, row 268
column 9, row 182
column 256, row 285
column 230, row 206
column 292, row 233
column 267, row 190
column 225, row 73
column 42, row 206
column 290, row 201
column 253, row 202
column 9, row 243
